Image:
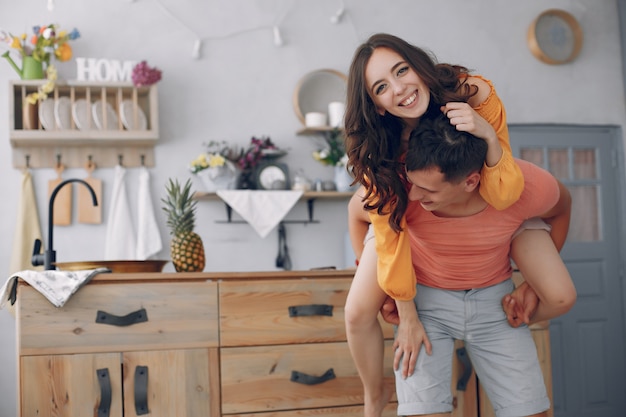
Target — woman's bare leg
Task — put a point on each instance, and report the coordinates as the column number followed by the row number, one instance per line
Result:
column 364, row 333
column 543, row 269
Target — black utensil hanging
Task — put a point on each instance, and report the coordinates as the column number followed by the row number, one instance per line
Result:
column 283, row 260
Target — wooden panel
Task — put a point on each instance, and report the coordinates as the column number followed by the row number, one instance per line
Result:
column 67, row 385
column 258, row 378
column 179, row 315
column 178, row 382
column 350, row 411
column 257, row 312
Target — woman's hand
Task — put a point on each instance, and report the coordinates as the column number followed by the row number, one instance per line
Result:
column 409, row 339
column 466, row 119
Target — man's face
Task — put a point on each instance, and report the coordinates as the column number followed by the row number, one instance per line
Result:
column 430, row 188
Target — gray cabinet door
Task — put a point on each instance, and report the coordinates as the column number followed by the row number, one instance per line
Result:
column 588, row 353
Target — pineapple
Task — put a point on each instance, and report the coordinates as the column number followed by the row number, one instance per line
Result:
column 186, row 248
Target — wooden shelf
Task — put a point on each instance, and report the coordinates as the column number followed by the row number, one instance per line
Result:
column 37, row 147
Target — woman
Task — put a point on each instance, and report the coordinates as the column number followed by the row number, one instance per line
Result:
column 391, row 86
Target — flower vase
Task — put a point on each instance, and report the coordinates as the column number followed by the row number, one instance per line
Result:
column 219, row 178
column 32, row 69
column 343, row 179
column 246, row 180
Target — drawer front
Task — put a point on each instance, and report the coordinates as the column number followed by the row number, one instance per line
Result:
column 354, row 411
column 259, row 378
column 174, row 315
column 284, row 311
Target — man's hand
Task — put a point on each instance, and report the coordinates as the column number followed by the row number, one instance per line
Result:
column 520, row 305
column 389, row 311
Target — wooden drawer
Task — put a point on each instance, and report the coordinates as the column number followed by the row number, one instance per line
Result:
column 178, row 315
column 352, row 411
column 259, row 378
column 284, row 311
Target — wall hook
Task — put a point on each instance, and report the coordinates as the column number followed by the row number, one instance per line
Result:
column 27, row 161
column 58, row 160
column 120, row 158
column 143, row 160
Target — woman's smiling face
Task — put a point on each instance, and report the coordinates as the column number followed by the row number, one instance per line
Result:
column 395, row 87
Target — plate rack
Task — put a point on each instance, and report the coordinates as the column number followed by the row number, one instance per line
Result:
column 74, row 144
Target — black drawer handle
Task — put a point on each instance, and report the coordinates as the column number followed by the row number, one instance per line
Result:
column 105, row 392
column 135, row 317
column 141, row 390
column 306, row 379
column 461, row 384
column 311, row 310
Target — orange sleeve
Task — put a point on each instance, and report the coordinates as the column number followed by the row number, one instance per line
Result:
column 395, row 272
column 502, row 184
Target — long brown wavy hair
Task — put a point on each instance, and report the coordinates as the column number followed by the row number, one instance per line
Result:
column 373, row 142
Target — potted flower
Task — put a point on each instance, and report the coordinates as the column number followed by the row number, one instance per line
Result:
column 216, row 166
column 334, row 154
column 45, row 43
column 257, row 150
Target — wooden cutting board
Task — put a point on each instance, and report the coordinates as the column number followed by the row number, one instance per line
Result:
column 63, row 200
column 87, row 212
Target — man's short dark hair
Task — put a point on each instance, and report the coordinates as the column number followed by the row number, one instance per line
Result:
column 437, row 143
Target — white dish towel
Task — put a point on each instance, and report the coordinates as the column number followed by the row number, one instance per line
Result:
column 56, row 286
column 148, row 237
column 263, row 210
column 120, row 240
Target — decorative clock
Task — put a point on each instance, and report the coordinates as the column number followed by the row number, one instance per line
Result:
column 272, row 175
column 555, row 37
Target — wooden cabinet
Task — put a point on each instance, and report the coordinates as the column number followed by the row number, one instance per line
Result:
column 258, row 344
column 42, row 133
column 284, row 349
column 124, row 349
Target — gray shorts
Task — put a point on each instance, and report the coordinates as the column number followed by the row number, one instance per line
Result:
column 505, row 358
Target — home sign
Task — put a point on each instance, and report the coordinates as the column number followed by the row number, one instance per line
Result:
column 93, row 69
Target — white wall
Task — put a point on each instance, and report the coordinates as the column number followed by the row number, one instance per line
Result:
column 242, row 86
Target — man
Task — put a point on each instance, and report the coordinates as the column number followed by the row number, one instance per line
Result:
column 460, row 252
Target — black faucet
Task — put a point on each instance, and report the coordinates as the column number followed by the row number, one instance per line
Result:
column 49, row 257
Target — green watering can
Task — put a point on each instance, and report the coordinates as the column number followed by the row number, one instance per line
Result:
column 31, row 68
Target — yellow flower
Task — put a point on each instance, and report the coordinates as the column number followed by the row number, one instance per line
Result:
column 16, row 43
column 216, row 160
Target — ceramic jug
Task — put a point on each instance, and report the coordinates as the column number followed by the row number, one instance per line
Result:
column 31, row 68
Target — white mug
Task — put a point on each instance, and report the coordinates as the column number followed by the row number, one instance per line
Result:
column 336, row 111
column 315, row 119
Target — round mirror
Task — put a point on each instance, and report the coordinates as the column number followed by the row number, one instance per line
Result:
column 317, row 89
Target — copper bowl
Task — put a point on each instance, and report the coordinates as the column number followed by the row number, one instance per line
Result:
column 114, row 266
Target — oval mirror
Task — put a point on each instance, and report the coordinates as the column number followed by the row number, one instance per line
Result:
column 317, row 89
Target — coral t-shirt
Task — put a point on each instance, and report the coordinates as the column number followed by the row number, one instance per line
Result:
column 460, row 253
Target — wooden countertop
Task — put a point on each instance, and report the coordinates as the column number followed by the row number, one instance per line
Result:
column 220, row 276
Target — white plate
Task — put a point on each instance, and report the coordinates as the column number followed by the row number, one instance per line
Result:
column 111, row 116
column 81, row 113
column 63, row 113
column 127, row 112
column 46, row 114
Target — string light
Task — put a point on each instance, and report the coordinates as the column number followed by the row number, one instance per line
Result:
column 278, row 40
column 336, row 18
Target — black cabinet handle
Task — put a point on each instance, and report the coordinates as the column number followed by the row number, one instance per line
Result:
column 311, row 310
column 302, row 378
column 105, row 392
column 141, row 390
column 135, row 317
column 461, row 384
